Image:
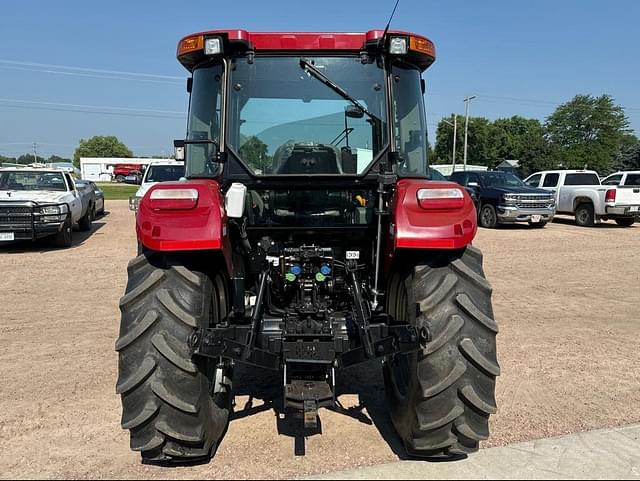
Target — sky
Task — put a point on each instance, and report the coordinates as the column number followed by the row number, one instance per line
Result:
column 73, row 69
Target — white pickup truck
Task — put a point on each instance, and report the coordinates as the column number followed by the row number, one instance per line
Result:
column 160, row 171
column 40, row 202
column 629, row 178
column 580, row 193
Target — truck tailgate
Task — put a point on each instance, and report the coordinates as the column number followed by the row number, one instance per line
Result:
column 628, row 195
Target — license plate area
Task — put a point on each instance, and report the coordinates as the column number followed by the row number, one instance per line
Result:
column 7, row 236
column 536, row 218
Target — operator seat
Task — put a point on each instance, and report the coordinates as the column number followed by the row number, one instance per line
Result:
column 308, row 158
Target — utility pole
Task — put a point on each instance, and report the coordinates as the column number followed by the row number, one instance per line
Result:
column 35, row 153
column 455, row 135
column 466, row 127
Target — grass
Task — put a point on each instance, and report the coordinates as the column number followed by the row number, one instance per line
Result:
column 113, row 191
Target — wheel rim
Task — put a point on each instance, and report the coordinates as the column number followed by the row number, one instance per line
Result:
column 219, row 379
column 583, row 216
column 399, row 363
column 487, row 216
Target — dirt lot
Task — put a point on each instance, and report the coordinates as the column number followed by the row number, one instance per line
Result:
column 567, row 299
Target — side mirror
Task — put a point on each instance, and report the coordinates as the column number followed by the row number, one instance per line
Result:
column 178, row 149
column 353, row 112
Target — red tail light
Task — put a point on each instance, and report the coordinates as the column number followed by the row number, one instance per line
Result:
column 611, row 196
column 173, row 199
column 441, row 199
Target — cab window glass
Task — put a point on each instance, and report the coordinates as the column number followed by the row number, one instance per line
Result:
column 632, row 179
column 534, row 181
column 551, row 180
column 613, row 180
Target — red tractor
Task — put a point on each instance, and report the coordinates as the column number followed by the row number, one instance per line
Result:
column 306, row 238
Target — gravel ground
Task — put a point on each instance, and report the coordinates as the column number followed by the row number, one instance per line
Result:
column 566, row 298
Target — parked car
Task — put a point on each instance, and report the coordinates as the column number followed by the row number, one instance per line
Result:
column 134, row 178
column 37, row 202
column 503, row 198
column 580, row 193
column 625, row 179
column 165, row 171
column 99, row 195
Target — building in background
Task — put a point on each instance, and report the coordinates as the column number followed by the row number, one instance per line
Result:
column 100, row 169
column 511, row 166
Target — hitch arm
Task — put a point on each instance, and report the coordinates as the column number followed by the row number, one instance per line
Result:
column 361, row 311
column 256, row 317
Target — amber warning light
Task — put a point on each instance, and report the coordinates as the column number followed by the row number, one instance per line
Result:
column 190, row 45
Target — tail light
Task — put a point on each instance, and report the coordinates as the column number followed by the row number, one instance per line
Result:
column 610, row 197
column 173, row 199
column 441, row 199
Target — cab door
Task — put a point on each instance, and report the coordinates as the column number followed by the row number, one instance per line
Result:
column 551, row 182
column 76, row 203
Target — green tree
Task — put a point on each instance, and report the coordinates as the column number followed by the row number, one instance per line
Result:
column 254, row 152
column 587, row 132
column 56, row 158
column 480, row 150
column 26, row 159
column 101, row 146
column 443, row 150
column 7, row 160
column 522, row 139
column 629, row 155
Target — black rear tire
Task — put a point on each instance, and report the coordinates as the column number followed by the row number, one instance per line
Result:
column 175, row 407
column 625, row 222
column 440, row 398
column 585, row 216
column 488, row 217
column 85, row 223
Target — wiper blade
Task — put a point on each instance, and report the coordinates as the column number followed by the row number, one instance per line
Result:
column 312, row 69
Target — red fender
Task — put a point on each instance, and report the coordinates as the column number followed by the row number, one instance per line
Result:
column 200, row 227
column 414, row 227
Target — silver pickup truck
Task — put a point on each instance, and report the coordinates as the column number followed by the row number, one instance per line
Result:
column 580, row 193
column 39, row 202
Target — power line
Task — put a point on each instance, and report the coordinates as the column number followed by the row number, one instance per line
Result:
column 86, row 109
column 102, row 107
column 97, row 112
column 95, row 76
column 518, row 100
column 91, row 70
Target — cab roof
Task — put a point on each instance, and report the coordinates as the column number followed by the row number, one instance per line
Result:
column 308, row 41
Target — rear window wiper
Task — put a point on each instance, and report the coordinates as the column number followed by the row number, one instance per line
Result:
column 313, row 70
